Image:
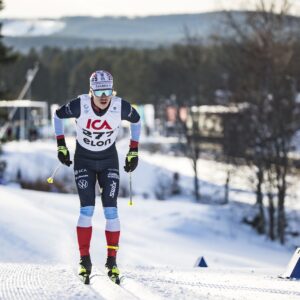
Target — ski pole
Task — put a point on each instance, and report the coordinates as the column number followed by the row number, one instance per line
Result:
column 51, row 178
column 130, row 203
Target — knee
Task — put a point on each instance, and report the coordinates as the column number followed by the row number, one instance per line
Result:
column 112, row 219
column 87, row 211
column 110, row 213
column 85, row 217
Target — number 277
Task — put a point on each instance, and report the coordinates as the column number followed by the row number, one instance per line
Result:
column 97, row 135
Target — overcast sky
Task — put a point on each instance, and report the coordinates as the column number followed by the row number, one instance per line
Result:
column 59, row 8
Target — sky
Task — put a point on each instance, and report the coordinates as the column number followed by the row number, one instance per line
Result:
column 130, row 8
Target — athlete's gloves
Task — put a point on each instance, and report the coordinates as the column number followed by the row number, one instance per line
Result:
column 63, row 153
column 132, row 159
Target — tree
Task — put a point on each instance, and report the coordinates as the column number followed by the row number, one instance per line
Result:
column 266, row 47
column 6, row 55
column 5, row 52
column 191, row 58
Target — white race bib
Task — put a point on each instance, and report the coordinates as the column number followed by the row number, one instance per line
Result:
column 98, row 133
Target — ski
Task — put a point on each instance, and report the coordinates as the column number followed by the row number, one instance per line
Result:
column 85, row 278
column 114, row 278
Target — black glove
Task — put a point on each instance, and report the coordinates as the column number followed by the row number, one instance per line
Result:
column 132, row 159
column 63, row 153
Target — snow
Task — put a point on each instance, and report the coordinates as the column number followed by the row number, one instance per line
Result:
column 26, row 157
column 38, row 27
column 32, row 281
column 160, row 240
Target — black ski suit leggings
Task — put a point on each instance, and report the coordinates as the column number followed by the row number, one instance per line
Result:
column 106, row 171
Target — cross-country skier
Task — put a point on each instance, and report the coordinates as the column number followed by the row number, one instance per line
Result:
column 98, row 119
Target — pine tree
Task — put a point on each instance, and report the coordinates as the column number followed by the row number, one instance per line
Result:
column 5, row 52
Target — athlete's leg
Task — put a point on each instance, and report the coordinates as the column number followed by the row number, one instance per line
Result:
column 85, row 181
column 109, row 181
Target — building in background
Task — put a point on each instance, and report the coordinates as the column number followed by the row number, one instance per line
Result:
column 22, row 119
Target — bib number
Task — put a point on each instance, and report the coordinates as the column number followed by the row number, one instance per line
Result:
column 93, row 138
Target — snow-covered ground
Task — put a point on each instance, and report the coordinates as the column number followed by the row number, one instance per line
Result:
column 32, row 27
column 160, row 240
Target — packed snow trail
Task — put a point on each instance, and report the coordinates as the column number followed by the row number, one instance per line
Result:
column 160, row 243
column 216, row 284
column 154, row 233
column 29, row 281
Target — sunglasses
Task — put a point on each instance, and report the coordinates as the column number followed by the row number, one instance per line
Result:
column 106, row 93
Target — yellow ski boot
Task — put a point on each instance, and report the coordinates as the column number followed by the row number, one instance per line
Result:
column 85, row 269
column 112, row 269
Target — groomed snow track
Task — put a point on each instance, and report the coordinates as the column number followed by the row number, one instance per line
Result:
column 29, row 281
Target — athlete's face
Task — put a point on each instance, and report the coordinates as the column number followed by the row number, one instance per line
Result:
column 101, row 101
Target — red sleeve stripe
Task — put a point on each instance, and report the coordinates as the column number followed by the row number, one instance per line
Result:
column 60, row 137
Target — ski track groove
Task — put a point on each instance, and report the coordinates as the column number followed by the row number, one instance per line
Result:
column 109, row 290
column 88, row 286
column 216, row 286
column 140, row 290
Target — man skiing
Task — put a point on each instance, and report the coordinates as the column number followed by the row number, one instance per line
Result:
column 98, row 118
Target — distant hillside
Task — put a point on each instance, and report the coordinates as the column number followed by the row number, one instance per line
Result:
column 157, row 28
column 74, row 32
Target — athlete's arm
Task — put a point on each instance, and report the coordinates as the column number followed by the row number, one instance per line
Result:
column 69, row 110
column 130, row 114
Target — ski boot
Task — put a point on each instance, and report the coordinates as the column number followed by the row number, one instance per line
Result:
column 85, row 269
column 112, row 269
